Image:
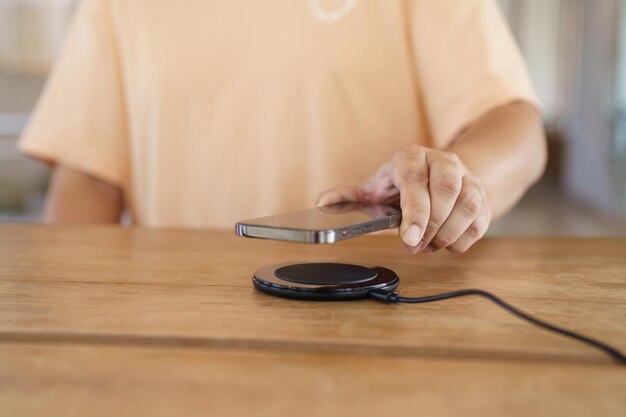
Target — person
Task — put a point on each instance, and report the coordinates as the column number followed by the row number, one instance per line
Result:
column 199, row 114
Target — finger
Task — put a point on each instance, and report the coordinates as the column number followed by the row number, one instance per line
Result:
column 379, row 188
column 410, row 177
column 474, row 232
column 339, row 195
column 466, row 209
column 445, row 183
column 411, row 249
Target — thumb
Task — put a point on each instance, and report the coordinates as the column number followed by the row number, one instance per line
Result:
column 339, row 195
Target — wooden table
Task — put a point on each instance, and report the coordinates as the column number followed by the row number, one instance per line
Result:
column 110, row 321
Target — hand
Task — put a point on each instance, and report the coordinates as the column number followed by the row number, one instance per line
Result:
column 443, row 204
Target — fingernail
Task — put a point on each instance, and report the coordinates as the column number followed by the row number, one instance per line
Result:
column 322, row 201
column 412, row 235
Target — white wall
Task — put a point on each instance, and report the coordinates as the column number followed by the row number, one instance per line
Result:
column 536, row 25
column 31, row 32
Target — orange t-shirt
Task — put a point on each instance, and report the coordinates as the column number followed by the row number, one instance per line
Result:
column 209, row 112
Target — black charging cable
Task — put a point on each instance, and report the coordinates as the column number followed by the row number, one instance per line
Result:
column 392, row 297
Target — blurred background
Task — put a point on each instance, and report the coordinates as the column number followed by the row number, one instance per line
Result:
column 576, row 53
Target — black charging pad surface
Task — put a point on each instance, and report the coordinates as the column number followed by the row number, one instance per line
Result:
column 325, row 273
column 324, row 281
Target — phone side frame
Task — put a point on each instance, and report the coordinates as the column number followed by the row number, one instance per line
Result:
column 327, row 236
column 285, row 234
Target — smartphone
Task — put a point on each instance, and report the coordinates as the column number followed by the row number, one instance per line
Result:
column 326, row 224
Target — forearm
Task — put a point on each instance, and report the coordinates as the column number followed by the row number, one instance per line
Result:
column 506, row 150
column 75, row 197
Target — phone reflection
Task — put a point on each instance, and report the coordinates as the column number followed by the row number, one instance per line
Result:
column 372, row 210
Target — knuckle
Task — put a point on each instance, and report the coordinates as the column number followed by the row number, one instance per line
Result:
column 466, row 241
column 408, row 166
column 407, row 175
column 449, row 184
column 434, row 225
column 470, row 202
column 414, row 176
column 475, row 231
column 441, row 241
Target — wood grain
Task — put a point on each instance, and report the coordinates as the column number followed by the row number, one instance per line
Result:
column 106, row 285
column 71, row 380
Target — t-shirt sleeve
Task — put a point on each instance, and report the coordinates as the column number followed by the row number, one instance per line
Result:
column 467, row 63
column 79, row 120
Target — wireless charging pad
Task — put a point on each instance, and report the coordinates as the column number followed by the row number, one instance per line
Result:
column 324, row 281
